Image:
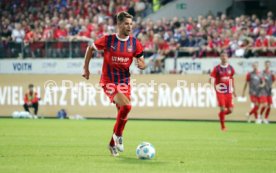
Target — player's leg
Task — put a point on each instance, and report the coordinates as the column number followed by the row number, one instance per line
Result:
column 222, row 118
column 35, row 106
column 26, row 107
column 111, row 90
column 254, row 110
column 124, row 103
column 115, row 126
column 112, row 143
column 221, row 103
column 263, row 108
column 229, row 104
column 267, row 112
column 262, row 105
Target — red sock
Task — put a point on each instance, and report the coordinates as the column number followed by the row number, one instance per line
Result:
column 221, row 118
column 262, row 110
column 122, row 119
column 254, row 111
column 112, row 143
column 267, row 113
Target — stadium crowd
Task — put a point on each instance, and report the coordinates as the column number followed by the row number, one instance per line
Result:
column 48, row 28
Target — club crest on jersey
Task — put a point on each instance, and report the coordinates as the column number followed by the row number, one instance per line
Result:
column 113, row 47
column 129, row 49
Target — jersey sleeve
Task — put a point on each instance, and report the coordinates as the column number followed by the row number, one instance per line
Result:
column 248, row 77
column 139, row 50
column 214, row 73
column 35, row 99
column 99, row 44
column 26, row 100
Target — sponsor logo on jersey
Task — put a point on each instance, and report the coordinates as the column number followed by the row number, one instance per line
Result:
column 229, row 72
column 225, row 78
column 117, row 59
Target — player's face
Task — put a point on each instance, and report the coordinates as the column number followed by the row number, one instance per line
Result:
column 125, row 27
column 267, row 65
column 224, row 58
column 31, row 89
column 255, row 66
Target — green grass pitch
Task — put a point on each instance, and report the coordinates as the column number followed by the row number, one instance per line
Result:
column 67, row 146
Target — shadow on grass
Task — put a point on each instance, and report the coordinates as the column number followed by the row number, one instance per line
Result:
column 134, row 160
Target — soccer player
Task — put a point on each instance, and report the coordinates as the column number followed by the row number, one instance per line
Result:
column 223, row 81
column 31, row 100
column 269, row 78
column 120, row 50
column 254, row 80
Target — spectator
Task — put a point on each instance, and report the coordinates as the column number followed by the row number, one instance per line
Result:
column 75, row 21
column 18, row 33
column 272, row 46
column 62, row 114
column 261, row 44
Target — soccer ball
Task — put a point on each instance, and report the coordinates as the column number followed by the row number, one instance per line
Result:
column 145, row 150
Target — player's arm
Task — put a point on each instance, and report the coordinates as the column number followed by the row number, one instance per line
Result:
column 212, row 79
column 245, row 84
column 244, row 88
column 87, row 58
column 273, row 79
column 139, row 56
column 94, row 46
column 140, row 62
column 234, row 88
column 233, row 82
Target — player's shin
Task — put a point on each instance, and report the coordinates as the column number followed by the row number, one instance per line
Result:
column 222, row 119
column 122, row 119
column 267, row 113
column 262, row 110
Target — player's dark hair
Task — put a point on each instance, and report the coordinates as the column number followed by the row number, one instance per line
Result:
column 223, row 52
column 31, row 85
column 120, row 17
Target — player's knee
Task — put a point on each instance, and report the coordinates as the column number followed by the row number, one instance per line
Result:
column 126, row 108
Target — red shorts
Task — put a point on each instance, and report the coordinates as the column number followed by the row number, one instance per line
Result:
column 254, row 99
column 265, row 99
column 111, row 90
column 269, row 100
column 225, row 100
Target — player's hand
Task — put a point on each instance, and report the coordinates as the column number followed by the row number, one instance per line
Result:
column 85, row 73
column 234, row 94
column 140, row 63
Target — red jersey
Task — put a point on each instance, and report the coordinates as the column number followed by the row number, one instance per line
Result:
column 60, row 33
column 223, row 75
column 31, row 97
column 118, row 56
column 261, row 42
